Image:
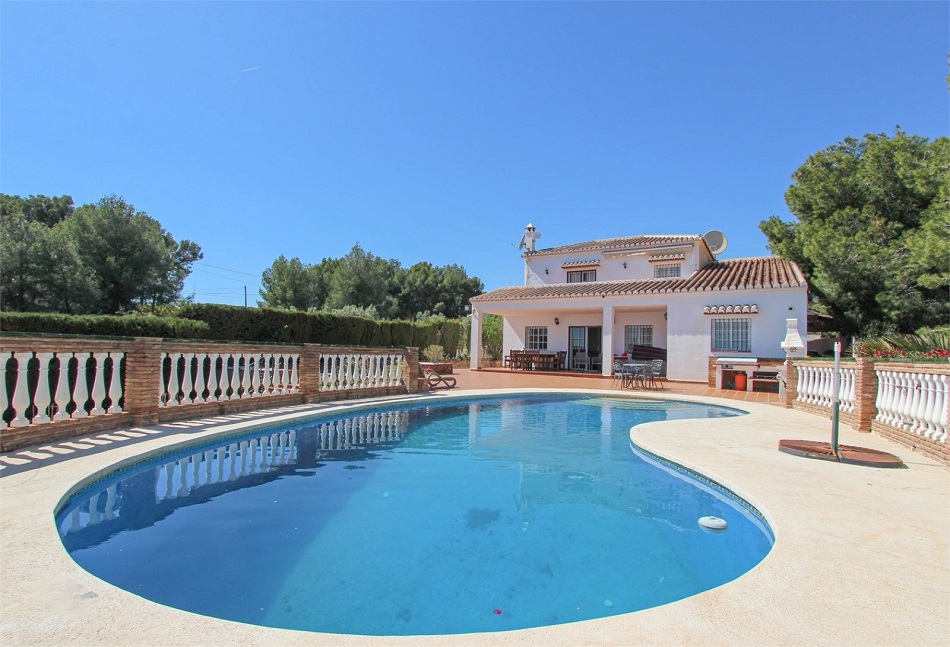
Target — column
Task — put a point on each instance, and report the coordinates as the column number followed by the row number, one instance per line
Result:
column 475, row 344
column 607, row 345
column 143, row 365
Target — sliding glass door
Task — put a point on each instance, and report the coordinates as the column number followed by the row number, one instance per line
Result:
column 586, row 344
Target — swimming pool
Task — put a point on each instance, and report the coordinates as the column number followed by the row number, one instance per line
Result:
column 461, row 516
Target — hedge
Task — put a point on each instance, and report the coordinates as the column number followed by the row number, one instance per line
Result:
column 234, row 323
column 104, row 325
column 275, row 325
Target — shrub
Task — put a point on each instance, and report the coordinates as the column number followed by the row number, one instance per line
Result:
column 433, row 353
column 104, row 325
column 927, row 343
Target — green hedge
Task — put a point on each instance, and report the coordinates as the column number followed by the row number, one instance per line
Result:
column 234, row 323
column 104, row 325
column 274, row 325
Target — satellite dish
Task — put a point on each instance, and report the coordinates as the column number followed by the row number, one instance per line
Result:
column 716, row 241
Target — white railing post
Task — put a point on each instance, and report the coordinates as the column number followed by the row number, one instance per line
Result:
column 42, row 398
column 214, row 382
column 98, row 384
column 81, row 392
column 256, row 375
column 200, row 377
column 63, row 397
column 115, row 384
column 21, row 392
column 187, row 382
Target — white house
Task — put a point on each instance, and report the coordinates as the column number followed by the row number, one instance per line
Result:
column 599, row 298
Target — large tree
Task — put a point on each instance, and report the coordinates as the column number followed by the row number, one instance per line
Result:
column 425, row 288
column 361, row 279
column 369, row 283
column 99, row 258
column 288, row 284
column 872, row 234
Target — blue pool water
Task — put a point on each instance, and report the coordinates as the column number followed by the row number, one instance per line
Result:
column 466, row 516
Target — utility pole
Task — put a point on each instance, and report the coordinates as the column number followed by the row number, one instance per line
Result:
column 245, row 296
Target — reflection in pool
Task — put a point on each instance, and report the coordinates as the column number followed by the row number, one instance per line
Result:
column 461, row 516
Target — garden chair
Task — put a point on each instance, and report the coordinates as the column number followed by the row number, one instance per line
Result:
column 653, row 373
column 437, row 381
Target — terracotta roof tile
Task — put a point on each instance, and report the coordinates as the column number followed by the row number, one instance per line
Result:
column 763, row 272
column 617, row 244
column 659, row 258
column 581, row 263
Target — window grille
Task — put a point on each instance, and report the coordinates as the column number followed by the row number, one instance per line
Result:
column 731, row 334
column 666, row 270
column 637, row 336
column 582, row 276
column 536, row 337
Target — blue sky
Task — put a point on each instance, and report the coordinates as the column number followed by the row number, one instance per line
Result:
column 436, row 131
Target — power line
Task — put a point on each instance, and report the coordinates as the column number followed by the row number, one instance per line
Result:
column 224, row 268
column 222, row 276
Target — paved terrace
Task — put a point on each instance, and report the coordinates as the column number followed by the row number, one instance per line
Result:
column 862, row 555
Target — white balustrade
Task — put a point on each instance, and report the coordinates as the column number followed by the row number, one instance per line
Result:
column 50, row 399
column 364, row 371
column 230, row 377
column 816, row 386
column 913, row 401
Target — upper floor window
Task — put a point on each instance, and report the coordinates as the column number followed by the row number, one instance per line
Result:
column 666, row 270
column 731, row 334
column 536, row 337
column 637, row 336
column 582, row 276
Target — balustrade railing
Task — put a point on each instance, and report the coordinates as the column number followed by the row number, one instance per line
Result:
column 913, row 401
column 42, row 387
column 816, row 387
column 154, row 380
column 340, row 371
column 192, row 378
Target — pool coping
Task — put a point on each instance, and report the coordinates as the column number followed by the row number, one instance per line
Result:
column 851, row 542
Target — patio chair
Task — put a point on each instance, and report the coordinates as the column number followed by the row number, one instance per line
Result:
column 617, row 375
column 561, row 357
column 581, row 359
column 653, row 373
column 594, row 361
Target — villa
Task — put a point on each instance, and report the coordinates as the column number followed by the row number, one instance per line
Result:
column 598, row 299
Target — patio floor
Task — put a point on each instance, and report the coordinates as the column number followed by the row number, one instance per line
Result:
column 861, row 557
column 503, row 378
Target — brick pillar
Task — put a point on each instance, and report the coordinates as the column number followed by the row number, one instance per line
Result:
column 711, row 377
column 143, row 367
column 865, row 394
column 309, row 372
column 412, row 368
column 791, row 383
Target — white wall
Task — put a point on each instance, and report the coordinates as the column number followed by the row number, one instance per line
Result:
column 610, row 269
column 690, row 331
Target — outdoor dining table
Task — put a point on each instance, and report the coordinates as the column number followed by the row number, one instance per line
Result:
column 633, row 371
